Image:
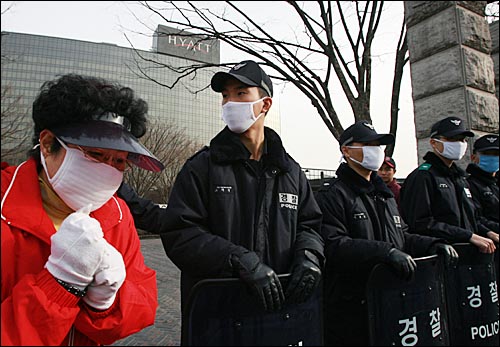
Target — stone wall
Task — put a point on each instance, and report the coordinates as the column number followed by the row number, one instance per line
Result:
column 452, row 72
column 494, row 53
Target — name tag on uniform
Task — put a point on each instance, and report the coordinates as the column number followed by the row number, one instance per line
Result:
column 467, row 192
column 397, row 220
column 359, row 216
column 223, row 189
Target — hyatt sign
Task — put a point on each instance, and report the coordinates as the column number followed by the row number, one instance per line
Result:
column 186, row 45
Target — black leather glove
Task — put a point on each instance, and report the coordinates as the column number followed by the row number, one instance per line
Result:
column 262, row 280
column 403, row 263
column 305, row 277
column 450, row 254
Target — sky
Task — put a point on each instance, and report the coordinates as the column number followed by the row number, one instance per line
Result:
column 305, row 136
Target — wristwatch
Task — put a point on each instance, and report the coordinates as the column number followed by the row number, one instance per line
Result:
column 71, row 289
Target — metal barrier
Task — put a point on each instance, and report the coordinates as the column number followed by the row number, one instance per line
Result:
column 318, row 174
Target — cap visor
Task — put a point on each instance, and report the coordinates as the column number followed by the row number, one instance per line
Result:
column 492, row 148
column 103, row 134
column 383, row 139
column 219, row 80
column 458, row 132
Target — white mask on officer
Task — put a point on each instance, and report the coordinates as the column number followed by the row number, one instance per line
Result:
column 453, row 150
column 239, row 116
column 373, row 157
column 80, row 181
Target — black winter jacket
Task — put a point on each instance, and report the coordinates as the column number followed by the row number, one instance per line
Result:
column 147, row 215
column 225, row 204
column 361, row 223
column 436, row 201
column 484, row 189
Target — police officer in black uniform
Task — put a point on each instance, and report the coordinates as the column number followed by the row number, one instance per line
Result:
column 483, row 183
column 435, row 197
column 241, row 207
column 361, row 228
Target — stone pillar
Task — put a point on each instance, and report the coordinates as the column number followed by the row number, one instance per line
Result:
column 494, row 53
column 451, row 68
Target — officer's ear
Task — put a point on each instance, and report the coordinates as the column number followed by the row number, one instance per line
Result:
column 268, row 102
column 474, row 158
column 345, row 151
column 434, row 143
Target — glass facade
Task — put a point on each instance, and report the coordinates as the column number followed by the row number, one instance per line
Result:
column 29, row 60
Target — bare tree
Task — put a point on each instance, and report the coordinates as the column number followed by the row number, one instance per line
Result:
column 15, row 123
column 172, row 146
column 401, row 60
column 310, row 63
column 15, row 128
column 8, row 8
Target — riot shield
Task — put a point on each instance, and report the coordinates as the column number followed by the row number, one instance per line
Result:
column 407, row 313
column 496, row 261
column 222, row 312
column 472, row 296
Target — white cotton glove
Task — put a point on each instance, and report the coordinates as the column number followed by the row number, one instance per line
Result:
column 77, row 249
column 107, row 280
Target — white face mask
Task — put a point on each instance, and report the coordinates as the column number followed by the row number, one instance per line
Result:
column 80, row 181
column 373, row 157
column 453, row 150
column 239, row 116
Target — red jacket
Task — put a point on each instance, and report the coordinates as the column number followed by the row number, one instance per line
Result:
column 36, row 310
column 395, row 188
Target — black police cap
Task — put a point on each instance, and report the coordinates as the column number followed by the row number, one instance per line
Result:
column 486, row 143
column 248, row 72
column 449, row 127
column 364, row 132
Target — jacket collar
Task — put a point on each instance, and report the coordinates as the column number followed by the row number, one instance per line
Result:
column 436, row 162
column 483, row 176
column 23, row 194
column 360, row 185
column 226, row 147
column 392, row 183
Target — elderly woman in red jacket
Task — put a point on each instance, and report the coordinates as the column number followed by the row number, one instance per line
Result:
column 72, row 268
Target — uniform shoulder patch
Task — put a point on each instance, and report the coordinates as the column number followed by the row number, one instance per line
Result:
column 425, row 166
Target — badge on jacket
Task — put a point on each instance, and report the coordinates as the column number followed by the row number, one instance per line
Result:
column 288, row 200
